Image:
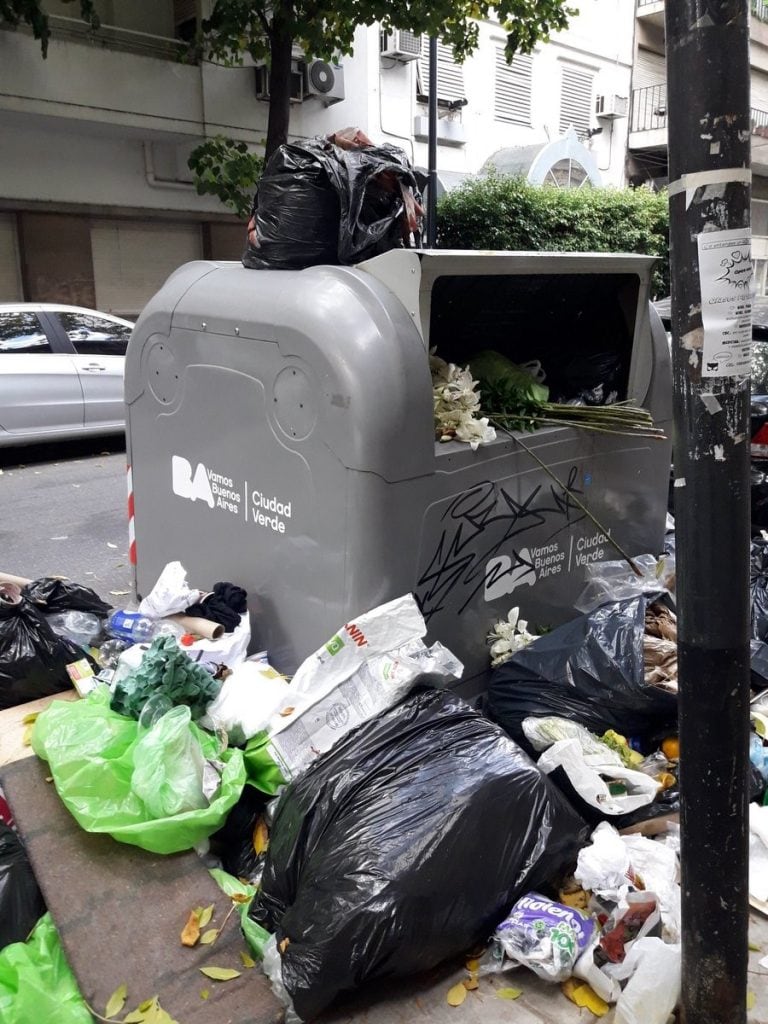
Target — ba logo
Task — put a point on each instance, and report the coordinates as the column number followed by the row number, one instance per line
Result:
column 503, row 576
column 186, row 485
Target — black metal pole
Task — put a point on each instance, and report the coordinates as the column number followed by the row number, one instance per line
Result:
column 707, row 43
column 432, row 147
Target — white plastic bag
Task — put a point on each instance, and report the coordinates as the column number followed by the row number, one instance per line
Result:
column 586, row 772
column 170, row 594
column 657, row 865
column 654, row 987
column 604, row 866
column 247, row 701
column 230, row 649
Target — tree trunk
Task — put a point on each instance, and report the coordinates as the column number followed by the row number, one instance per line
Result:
column 279, row 88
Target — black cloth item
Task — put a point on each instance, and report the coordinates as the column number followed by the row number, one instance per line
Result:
column 758, row 587
column 21, row 902
column 224, row 605
column 405, row 844
column 52, row 595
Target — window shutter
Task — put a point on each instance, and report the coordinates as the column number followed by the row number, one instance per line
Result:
column 512, row 98
column 450, row 75
column 576, row 101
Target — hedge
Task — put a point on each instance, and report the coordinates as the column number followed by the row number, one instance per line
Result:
column 500, row 212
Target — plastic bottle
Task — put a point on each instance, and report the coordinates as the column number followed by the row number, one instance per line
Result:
column 110, row 651
column 131, row 626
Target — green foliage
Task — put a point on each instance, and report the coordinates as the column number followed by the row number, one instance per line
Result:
column 326, row 29
column 29, row 12
column 226, row 169
column 501, row 212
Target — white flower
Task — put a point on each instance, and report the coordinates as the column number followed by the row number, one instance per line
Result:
column 456, row 403
column 508, row 636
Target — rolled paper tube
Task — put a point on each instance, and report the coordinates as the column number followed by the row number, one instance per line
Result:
column 20, row 581
column 199, row 626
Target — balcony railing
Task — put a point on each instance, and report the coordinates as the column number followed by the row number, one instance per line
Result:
column 649, row 111
column 111, row 37
column 759, row 8
column 649, row 108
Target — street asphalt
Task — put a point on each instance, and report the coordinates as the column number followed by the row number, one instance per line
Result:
column 63, row 512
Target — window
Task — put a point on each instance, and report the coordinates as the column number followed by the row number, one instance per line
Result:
column 450, row 75
column 512, row 98
column 576, row 100
column 95, row 336
column 21, row 332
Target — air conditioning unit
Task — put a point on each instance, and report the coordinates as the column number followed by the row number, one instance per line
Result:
column 611, row 106
column 324, row 80
column 400, row 45
column 297, row 82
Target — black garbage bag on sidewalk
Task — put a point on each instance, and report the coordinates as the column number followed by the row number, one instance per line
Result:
column 33, row 658
column 332, row 200
column 758, row 588
column 53, row 595
column 21, row 902
column 589, row 670
column 404, row 845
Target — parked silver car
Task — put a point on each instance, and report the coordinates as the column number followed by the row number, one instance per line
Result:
column 61, row 372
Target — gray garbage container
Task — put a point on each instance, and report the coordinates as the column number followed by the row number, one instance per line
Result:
column 280, row 434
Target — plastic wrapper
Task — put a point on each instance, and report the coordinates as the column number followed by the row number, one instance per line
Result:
column 166, row 669
column 91, row 752
column 37, row 985
column 55, row 595
column 615, row 580
column 544, row 936
column 21, row 902
column 247, row 701
column 33, row 659
column 386, row 855
column 590, row 670
column 82, row 628
column 318, row 202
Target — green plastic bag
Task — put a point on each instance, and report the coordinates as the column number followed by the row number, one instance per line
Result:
column 36, row 983
column 256, row 936
column 90, row 750
column 263, row 771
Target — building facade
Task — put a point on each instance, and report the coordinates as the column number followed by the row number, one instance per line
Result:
column 647, row 142
column 97, row 204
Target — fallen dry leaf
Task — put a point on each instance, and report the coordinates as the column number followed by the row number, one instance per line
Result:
column 456, row 995
column 260, row 837
column 751, row 1000
column 247, row 960
column 208, row 937
column 119, row 593
column 26, row 739
column 205, row 915
column 471, row 983
column 509, row 993
column 241, row 897
column 204, row 993
column 754, row 947
column 116, row 1001
column 286, row 711
column 473, row 964
column 30, row 718
column 49, row 778
column 583, row 995
column 284, row 945
column 190, row 933
column 220, row 973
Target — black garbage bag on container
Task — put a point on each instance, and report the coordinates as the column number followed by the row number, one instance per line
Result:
column 404, row 845
column 21, row 902
column 589, row 670
column 33, row 658
column 319, row 202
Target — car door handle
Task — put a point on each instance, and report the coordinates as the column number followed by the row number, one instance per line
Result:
column 94, row 367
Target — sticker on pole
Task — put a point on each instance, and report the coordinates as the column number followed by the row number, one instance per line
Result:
column 725, row 275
